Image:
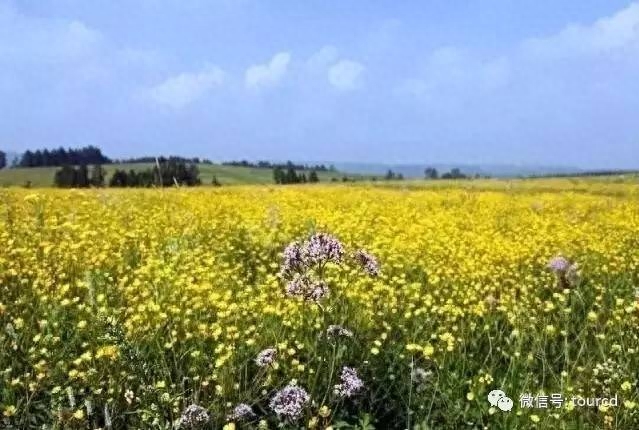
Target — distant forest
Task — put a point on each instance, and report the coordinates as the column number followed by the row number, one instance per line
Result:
column 586, row 173
column 151, row 159
column 165, row 172
column 285, row 166
column 91, row 155
column 61, row 157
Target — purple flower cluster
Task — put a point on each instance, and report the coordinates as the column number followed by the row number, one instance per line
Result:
column 367, row 262
column 337, row 331
column 242, row 411
column 318, row 290
column 323, row 247
column 567, row 273
column 319, row 249
column 289, row 402
column 293, row 259
column 350, row 383
column 266, row 357
column 298, row 286
column 307, row 288
column 194, row 416
column 559, row 264
column 303, row 261
column 303, row 269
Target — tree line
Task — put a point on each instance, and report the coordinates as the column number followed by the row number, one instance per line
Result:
column 59, row 157
column 585, row 173
column 270, row 165
column 166, row 172
column 291, row 176
column 392, row 176
column 151, row 159
column 454, row 173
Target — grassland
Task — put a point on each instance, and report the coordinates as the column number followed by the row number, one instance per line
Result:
column 226, row 175
column 149, row 308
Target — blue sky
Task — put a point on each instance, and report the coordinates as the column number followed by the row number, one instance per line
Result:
column 526, row 82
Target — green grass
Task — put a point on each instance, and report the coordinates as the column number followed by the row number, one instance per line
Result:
column 226, row 175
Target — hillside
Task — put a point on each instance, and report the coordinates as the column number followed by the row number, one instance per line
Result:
column 492, row 170
column 226, row 175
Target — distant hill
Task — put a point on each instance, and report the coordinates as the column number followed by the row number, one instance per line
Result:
column 226, row 175
column 494, row 170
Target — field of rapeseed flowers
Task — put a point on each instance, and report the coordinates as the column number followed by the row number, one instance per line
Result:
column 351, row 307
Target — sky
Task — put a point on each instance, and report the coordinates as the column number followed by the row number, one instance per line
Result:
column 532, row 82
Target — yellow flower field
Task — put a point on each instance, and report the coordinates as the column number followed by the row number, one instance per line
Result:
column 123, row 308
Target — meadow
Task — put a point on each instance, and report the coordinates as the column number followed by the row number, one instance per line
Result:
column 359, row 306
column 226, row 175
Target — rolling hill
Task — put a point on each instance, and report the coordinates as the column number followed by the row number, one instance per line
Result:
column 226, row 175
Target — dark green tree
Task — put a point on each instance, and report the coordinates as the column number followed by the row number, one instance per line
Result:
column 278, row 175
column 61, row 156
column 118, row 179
column 27, row 159
column 454, row 173
column 431, row 173
column 82, row 177
column 65, row 177
column 97, row 176
column 291, row 176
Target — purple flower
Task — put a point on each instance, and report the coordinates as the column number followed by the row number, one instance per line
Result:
column 242, row 412
column 293, row 258
column 567, row 273
column 316, row 292
column 266, row 357
column 350, row 383
column 298, row 286
column 194, row 416
column 338, row 330
column 323, row 247
column 367, row 262
column 559, row 264
column 289, row 402
column 307, row 288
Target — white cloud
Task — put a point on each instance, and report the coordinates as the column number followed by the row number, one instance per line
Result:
column 447, row 70
column 24, row 37
column 453, row 73
column 323, row 58
column 263, row 75
column 604, row 35
column 179, row 91
column 346, row 75
column 56, row 53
